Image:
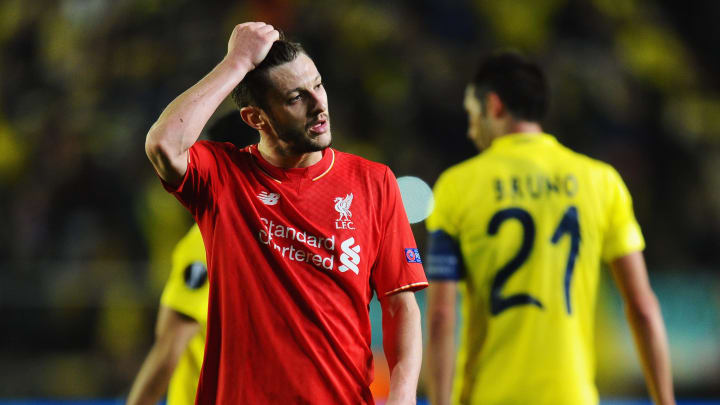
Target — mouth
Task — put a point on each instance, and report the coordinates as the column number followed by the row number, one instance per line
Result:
column 319, row 126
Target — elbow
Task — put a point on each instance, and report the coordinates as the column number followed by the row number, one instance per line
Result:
column 441, row 320
column 154, row 145
column 161, row 148
column 152, row 148
column 643, row 311
column 167, row 351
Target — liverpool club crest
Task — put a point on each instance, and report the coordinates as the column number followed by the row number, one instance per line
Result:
column 342, row 206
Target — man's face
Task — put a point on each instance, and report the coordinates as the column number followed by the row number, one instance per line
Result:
column 479, row 128
column 298, row 107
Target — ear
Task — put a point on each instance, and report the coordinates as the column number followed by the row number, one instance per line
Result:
column 495, row 106
column 254, row 117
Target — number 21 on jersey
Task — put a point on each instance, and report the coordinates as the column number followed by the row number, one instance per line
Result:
column 569, row 224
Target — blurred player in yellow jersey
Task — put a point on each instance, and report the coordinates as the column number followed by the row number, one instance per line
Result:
column 180, row 330
column 174, row 362
column 522, row 229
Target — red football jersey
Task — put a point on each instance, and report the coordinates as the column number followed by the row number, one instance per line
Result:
column 294, row 257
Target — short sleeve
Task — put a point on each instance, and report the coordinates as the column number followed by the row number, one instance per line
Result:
column 623, row 235
column 195, row 189
column 398, row 266
column 444, row 260
column 186, row 290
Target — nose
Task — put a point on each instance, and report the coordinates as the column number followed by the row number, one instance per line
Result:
column 317, row 103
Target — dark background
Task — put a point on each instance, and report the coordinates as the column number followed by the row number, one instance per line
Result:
column 88, row 229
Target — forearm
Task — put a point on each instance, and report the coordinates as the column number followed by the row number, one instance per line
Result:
column 402, row 341
column 643, row 314
column 182, row 121
column 441, row 359
column 652, row 344
column 153, row 378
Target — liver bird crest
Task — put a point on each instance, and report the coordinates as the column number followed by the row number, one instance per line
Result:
column 342, row 205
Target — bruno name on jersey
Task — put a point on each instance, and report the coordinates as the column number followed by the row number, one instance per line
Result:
column 535, row 186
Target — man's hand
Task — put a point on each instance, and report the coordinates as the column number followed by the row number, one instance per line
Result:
column 250, row 43
column 180, row 124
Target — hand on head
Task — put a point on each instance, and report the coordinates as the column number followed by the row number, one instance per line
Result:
column 250, row 42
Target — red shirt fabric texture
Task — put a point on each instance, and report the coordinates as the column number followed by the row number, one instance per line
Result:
column 294, row 257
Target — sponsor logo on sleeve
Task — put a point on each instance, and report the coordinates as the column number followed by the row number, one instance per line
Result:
column 269, row 198
column 412, row 255
column 195, row 275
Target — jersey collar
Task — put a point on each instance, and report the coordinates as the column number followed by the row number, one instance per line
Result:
column 279, row 174
column 521, row 138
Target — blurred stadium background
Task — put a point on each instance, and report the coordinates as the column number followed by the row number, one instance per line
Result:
column 89, row 230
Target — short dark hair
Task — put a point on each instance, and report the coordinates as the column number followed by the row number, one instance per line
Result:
column 252, row 90
column 520, row 84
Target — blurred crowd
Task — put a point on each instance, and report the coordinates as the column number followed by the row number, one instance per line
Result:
column 89, row 229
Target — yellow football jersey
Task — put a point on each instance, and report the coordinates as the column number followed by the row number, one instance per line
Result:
column 186, row 291
column 533, row 221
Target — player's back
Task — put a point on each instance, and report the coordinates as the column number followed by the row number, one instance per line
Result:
column 532, row 220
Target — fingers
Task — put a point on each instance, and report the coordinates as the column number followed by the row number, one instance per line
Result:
column 269, row 32
column 251, row 41
column 252, row 24
column 265, row 28
column 256, row 26
column 274, row 35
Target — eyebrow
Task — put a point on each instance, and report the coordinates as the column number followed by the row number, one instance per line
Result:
column 298, row 89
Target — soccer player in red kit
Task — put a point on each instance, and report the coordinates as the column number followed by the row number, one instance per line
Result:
column 298, row 237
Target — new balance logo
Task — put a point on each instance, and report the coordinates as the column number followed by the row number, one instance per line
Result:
column 268, row 198
column 349, row 257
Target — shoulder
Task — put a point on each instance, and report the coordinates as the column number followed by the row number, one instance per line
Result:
column 595, row 166
column 223, row 153
column 220, row 148
column 349, row 163
column 598, row 168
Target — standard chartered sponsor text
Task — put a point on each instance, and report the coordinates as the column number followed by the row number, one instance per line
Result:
column 273, row 232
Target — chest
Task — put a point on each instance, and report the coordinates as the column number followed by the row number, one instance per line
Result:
column 332, row 225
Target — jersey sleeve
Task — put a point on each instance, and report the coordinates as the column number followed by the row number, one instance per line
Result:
column 186, row 290
column 398, row 266
column 444, row 260
column 196, row 187
column 623, row 234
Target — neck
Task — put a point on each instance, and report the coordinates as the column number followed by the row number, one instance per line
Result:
column 278, row 154
column 525, row 127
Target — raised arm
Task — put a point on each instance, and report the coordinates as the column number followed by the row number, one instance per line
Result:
column 441, row 297
column 402, row 341
column 173, row 332
column 180, row 124
column 643, row 313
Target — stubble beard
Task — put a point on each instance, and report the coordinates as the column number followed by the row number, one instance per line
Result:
column 299, row 141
